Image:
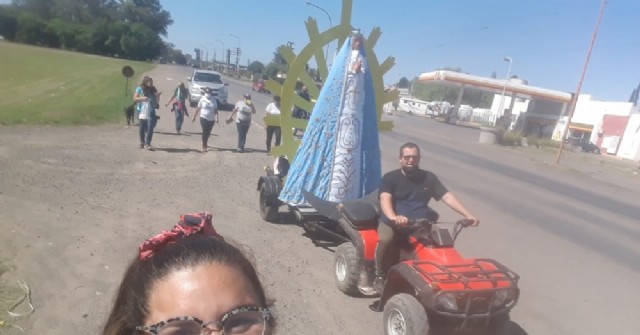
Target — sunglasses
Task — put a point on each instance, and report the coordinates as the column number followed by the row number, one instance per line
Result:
column 248, row 320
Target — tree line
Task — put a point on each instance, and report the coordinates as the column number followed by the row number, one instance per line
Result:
column 130, row 29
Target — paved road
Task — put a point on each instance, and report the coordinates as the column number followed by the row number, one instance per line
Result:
column 574, row 238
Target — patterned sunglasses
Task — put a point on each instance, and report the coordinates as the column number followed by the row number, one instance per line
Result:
column 248, row 320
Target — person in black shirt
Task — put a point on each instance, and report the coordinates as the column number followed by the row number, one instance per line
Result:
column 404, row 196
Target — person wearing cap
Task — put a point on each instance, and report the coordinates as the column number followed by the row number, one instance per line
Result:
column 208, row 111
column 242, row 111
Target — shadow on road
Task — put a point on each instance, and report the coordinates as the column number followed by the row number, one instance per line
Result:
column 177, row 150
column 172, row 134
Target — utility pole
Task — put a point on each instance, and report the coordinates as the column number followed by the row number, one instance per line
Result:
column 574, row 101
column 237, row 62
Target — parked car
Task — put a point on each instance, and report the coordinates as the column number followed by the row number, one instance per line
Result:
column 258, row 86
column 205, row 78
column 583, row 144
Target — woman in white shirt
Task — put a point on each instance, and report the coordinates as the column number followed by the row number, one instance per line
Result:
column 273, row 109
column 208, row 111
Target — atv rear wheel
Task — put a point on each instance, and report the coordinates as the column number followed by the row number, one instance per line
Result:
column 345, row 264
column 404, row 315
column 268, row 212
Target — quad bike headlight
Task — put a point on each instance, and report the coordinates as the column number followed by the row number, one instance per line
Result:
column 502, row 297
column 446, row 301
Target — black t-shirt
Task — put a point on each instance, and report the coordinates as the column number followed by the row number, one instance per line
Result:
column 410, row 196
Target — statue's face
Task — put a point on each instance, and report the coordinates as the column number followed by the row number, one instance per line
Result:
column 357, row 42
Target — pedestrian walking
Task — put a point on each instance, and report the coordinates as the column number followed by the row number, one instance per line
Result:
column 208, row 111
column 273, row 109
column 146, row 97
column 243, row 111
column 179, row 106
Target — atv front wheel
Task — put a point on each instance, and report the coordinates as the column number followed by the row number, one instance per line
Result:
column 404, row 315
column 499, row 325
column 268, row 212
column 345, row 264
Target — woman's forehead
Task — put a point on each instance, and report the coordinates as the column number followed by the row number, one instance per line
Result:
column 206, row 291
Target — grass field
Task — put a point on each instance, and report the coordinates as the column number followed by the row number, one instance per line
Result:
column 50, row 86
column 9, row 295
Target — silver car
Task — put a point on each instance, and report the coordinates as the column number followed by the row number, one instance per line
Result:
column 205, row 78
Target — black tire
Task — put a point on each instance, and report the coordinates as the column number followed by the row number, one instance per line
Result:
column 499, row 325
column 268, row 212
column 345, row 269
column 596, row 151
column 404, row 315
column 193, row 104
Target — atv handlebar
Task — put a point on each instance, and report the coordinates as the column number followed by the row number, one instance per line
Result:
column 418, row 223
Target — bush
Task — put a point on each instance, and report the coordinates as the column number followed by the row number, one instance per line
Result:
column 542, row 142
column 511, row 138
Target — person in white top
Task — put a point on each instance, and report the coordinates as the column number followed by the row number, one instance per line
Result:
column 273, row 109
column 243, row 109
column 208, row 111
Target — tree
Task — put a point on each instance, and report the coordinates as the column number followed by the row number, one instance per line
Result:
column 256, row 67
column 277, row 65
column 8, row 23
column 404, row 83
column 148, row 13
column 121, row 28
column 140, row 43
column 30, row 29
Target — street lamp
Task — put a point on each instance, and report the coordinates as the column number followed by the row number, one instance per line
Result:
column 207, row 54
column 326, row 52
column 237, row 54
column 223, row 50
column 214, row 54
column 504, row 88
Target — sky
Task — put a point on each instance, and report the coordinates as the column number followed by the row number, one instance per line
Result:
column 547, row 39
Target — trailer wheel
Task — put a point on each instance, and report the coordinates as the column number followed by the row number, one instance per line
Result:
column 268, row 212
column 345, row 264
column 404, row 315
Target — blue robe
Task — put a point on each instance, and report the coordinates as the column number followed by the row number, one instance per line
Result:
column 339, row 155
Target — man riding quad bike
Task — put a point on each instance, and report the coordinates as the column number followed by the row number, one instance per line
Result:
column 422, row 281
column 404, row 195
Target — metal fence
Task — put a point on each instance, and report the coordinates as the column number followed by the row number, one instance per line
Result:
column 483, row 117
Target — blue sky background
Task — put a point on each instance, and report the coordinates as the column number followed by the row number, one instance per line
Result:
column 547, row 39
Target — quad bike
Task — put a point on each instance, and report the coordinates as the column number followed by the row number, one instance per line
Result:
column 429, row 285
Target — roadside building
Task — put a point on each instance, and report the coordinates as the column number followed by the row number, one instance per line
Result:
column 536, row 111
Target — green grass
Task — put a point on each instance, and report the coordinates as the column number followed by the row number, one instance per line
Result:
column 50, row 86
column 9, row 295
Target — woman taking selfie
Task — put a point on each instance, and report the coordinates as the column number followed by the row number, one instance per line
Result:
column 189, row 281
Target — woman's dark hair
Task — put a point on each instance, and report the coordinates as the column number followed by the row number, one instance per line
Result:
column 131, row 308
column 148, row 90
column 184, row 92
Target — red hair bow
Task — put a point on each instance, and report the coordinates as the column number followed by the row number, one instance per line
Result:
column 189, row 224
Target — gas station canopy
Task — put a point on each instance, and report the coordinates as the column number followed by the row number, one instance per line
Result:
column 495, row 85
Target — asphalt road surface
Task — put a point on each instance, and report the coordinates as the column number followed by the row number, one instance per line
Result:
column 76, row 201
column 574, row 240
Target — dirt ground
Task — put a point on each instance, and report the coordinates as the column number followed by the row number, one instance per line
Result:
column 76, row 202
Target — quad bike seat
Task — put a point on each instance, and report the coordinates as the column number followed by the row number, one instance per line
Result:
column 360, row 213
